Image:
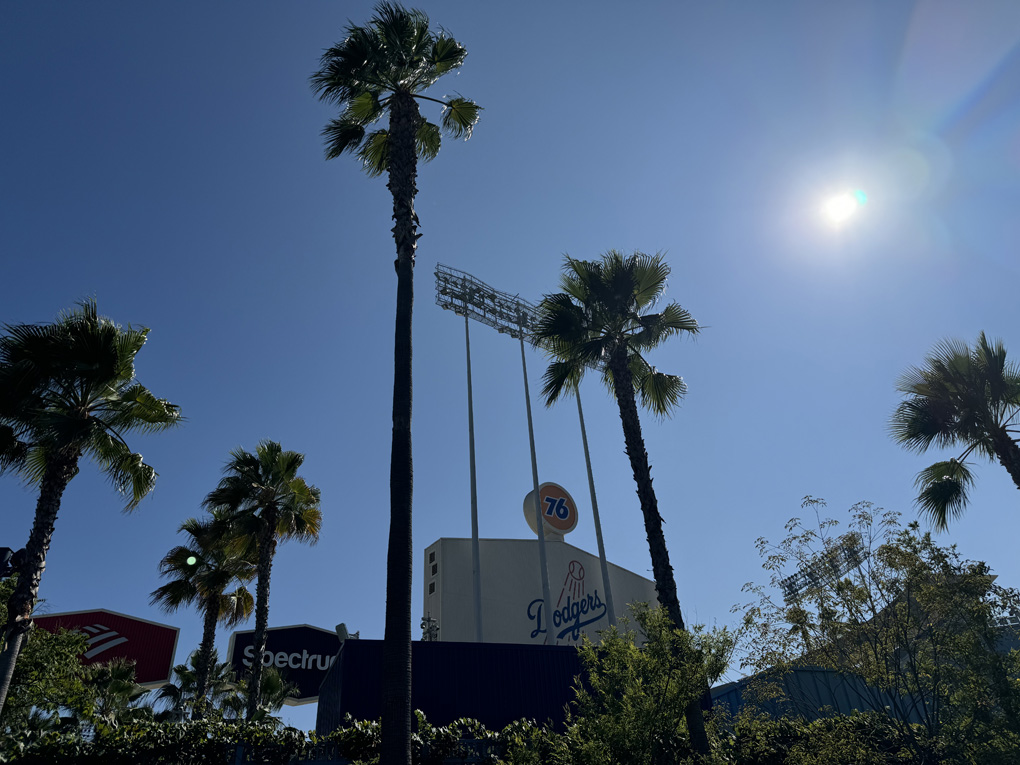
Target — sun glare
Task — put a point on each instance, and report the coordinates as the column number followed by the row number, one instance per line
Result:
column 840, row 208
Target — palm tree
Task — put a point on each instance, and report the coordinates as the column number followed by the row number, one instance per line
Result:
column 260, row 501
column 383, row 70
column 118, row 697
column 200, row 572
column 68, row 390
column 220, row 681
column 274, row 690
column 601, row 321
column 961, row 396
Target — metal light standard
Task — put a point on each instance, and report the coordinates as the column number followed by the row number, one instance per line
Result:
column 508, row 314
column 610, row 608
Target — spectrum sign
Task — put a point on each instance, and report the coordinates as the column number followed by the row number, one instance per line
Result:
column 302, row 654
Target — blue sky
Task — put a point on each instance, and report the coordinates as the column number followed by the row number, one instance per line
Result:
column 166, row 160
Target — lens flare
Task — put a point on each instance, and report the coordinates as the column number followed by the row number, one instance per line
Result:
column 840, row 208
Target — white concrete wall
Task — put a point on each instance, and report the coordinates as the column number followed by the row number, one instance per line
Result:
column 512, row 607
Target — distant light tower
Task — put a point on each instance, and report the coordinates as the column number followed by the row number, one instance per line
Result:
column 509, row 314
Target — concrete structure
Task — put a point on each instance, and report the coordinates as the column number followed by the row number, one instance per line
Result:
column 512, row 605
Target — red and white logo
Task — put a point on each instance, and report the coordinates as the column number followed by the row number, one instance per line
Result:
column 112, row 635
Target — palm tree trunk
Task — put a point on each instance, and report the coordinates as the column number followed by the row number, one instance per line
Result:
column 1008, row 453
column 395, row 744
column 662, row 570
column 205, row 653
column 267, row 549
column 58, row 474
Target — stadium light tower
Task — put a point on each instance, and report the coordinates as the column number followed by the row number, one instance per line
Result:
column 509, row 314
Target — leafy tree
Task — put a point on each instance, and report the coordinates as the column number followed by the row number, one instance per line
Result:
column 49, row 676
column 638, row 686
column 602, row 320
column 917, row 623
column 68, row 390
column 383, row 70
column 961, row 396
column 260, row 502
column 200, row 572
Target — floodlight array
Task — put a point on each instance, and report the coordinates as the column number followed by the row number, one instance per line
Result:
column 462, row 293
column 834, row 563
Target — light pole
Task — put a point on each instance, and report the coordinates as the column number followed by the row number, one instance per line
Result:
column 509, row 314
column 460, row 292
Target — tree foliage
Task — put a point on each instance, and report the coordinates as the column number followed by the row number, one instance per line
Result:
column 49, row 677
column 921, row 626
column 638, row 684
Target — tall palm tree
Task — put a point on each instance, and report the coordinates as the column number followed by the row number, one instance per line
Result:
column 260, row 501
column 961, row 396
column 602, row 320
column 201, row 572
column 383, row 69
column 67, row 391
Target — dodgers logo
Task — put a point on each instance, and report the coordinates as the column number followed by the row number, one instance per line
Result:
column 574, row 609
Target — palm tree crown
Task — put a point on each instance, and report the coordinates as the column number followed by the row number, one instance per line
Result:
column 68, row 390
column 601, row 321
column 961, row 396
column 201, row 572
column 261, row 500
column 376, row 68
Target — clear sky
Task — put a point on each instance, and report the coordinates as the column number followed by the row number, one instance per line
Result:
column 165, row 158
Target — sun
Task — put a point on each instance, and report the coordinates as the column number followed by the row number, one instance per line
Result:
column 842, row 207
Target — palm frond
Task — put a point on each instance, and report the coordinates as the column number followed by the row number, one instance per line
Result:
column 656, row 327
column 560, row 376
column 460, row 115
column 447, row 54
column 174, row 594
column 649, row 274
column 135, row 408
column 943, row 491
column 427, row 140
column 659, row 392
column 342, row 136
column 374, row 153
column 365, row 108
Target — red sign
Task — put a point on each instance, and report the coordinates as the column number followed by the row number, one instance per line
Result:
column 111, row 635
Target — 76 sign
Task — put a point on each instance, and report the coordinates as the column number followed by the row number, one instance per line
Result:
column 559, row 513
